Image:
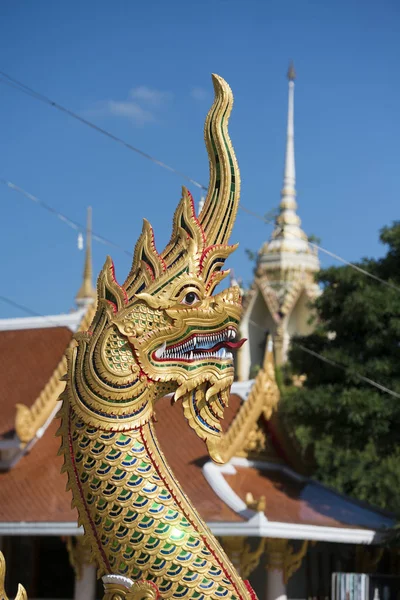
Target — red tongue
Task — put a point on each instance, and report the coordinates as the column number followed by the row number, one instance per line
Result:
column 235, row 345
column 230, row 345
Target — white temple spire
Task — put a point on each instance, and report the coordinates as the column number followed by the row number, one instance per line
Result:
column 289, row 177
column 288, row 222
column 87, row 293
column 284, row 284
column 288, row 241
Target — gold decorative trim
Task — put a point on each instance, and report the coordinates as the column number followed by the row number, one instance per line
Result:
column 29, row 419
column 291, row 297
column 129, row 590
column 257, row 504
column 21, row 593
column 247, row 297
column 281, row 556
column 241, row 555
column 79, row 554
column 263, row 400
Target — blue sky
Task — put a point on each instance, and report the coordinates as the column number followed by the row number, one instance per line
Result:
column 142, row 70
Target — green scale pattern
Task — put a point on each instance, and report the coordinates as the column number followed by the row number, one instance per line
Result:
column 143, row 533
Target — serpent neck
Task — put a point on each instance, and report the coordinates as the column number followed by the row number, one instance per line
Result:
column 137, row 518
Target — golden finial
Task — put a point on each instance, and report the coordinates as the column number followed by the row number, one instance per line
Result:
column 87, row 293
column 291, row 74
column 257, row 504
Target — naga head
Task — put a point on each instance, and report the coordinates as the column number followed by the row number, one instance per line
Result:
column 164, row 330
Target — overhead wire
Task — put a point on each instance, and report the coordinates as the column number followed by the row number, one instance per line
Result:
column 55, row 320
column 333, row 363
column 344, row 368
column 329, row 253
column 73, row 224
column 22, row 307
column 20, row 86
column 103, row 240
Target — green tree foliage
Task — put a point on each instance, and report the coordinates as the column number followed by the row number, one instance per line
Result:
column 352, row 427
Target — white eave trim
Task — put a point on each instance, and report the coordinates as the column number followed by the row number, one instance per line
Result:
column 255, row 527
column 214, row 474
column 40, row 528
column 293, row 531
column 242, row 388
column 70, row 320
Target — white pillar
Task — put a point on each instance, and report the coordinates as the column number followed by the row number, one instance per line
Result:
column 276, row 588
column 282, row 562
column 85, row 586
column 276, row 550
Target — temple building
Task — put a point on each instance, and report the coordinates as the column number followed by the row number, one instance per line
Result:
column 283, row 287
column 282, row 530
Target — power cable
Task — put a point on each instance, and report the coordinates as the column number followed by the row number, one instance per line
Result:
column 379, row 386
column 344, row 368
column 333, row 363
column 73, row 224
column 99, row 238
column 14, row 304
column 328, row 252
column 18, row 85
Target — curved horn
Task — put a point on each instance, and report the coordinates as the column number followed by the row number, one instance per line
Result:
column 221, row 204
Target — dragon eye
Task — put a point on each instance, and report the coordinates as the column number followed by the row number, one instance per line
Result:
column 190, row 298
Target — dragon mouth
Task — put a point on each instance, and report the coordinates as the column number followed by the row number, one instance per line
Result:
column 215, row 346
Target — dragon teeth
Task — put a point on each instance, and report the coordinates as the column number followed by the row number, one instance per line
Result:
column 160, row 351
column 185, row 350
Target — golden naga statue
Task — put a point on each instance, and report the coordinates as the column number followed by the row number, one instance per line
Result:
column 162, row 331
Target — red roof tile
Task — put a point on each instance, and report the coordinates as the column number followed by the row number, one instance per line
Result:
column 303, row 501
column 28, row 358
column 34, row 490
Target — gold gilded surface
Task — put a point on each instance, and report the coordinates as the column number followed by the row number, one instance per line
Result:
column 241, row 554
column 126, row 589
column 162, row 331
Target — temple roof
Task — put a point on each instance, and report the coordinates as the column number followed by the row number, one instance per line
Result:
column 33, row 496
column 28, row 359
column 261, row 491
